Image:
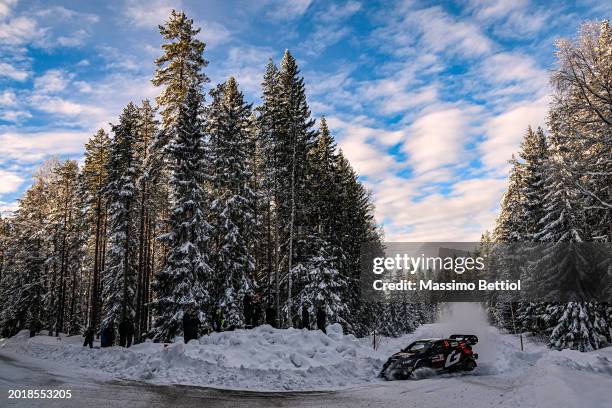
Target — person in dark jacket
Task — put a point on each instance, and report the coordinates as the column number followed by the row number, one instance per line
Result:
column 122, row 336
column 190, row 326
column 218, row 321
column 89, row 337
column 248, row 311
column 107, row 339
column 256, row 314
column 129, row 332
column 271, row 316
column 321, row 319
column 305, row 318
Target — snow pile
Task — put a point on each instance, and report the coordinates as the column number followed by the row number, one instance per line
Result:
column 262, row 358
column 268, row 359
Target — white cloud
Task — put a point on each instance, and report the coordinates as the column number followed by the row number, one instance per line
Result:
column 18, row 30
column 337, row 12
column 8, row 98
column 213, row 33
column 505, row 131
column 510, row 18
column 60, row 106
column 10, row 71
column 12, row 115
column 365, row 147
column 52, row 81
column 432, row 29
column 288, row 9
column 517, row 73
column 462, row 215
column 149, row 13
column 438, row 138
column 32, row 147
column 6, row 6
column 9, row 181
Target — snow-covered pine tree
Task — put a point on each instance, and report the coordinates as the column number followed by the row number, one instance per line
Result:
column 229, row 147
column 97, row 151
column 268, row 136
column 534, row 158
column 23, row 285
column 180, row 67
column 147, row 131
column 509, row 227
column 509, row 231
column 534, row 163
column 119, row 280
column 65, row 238
column 182, row 285
column 581, row 118
column 296, row 138
column 324, row 285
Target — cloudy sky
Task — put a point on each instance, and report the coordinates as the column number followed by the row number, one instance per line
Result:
column 428, row 100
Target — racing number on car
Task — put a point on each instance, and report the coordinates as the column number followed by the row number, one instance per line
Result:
column 452, row 358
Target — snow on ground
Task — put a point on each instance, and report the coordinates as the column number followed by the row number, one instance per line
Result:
column 271, row 359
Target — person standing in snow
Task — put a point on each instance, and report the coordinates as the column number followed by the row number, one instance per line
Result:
column 129, row 332
column 191, row 324
column 108, row 337
column 89, row 337
column 218, row 321
column 122, row 339
column 321, row 319
column 305, row 318
column 271, row 316
column 256, row 318
column 248, row 311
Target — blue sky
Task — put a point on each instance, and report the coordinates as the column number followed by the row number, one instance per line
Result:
column 428, row 100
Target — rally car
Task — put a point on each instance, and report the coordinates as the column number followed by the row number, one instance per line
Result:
column 443, row 355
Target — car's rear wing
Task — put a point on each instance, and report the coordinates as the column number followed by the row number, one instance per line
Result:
column 468, row 338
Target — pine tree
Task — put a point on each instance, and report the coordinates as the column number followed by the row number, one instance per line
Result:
column 324, row 285
column 534, row 156
column 182, row 286
column 296, row 138
column 230, row 176
column 119, row 286
column 95, row 174
column 147, row 130
column 181, row 65
column 268, row 134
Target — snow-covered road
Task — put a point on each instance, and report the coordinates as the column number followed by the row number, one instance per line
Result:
column 506, row 376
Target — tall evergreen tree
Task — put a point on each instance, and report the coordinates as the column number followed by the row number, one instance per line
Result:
column 229, row 130
column 95, row 174
column 183, row 285
column 296, row 139
column 120, row 275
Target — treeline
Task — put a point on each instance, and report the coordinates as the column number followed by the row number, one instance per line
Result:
column 219, row 213
column 560, row 191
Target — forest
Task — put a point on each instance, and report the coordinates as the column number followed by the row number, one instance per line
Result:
column 560, row 193
column 196, row 206
column 200, row 204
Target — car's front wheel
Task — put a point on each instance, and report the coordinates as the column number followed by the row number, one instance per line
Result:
column 469, row 365
column 392, row 374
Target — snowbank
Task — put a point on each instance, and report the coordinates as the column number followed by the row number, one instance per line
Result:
column 268, row 359
column 262, row 358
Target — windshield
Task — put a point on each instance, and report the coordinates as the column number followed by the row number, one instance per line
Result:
column 418, row 347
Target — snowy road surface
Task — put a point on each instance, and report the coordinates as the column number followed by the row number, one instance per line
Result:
column 302, row 363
